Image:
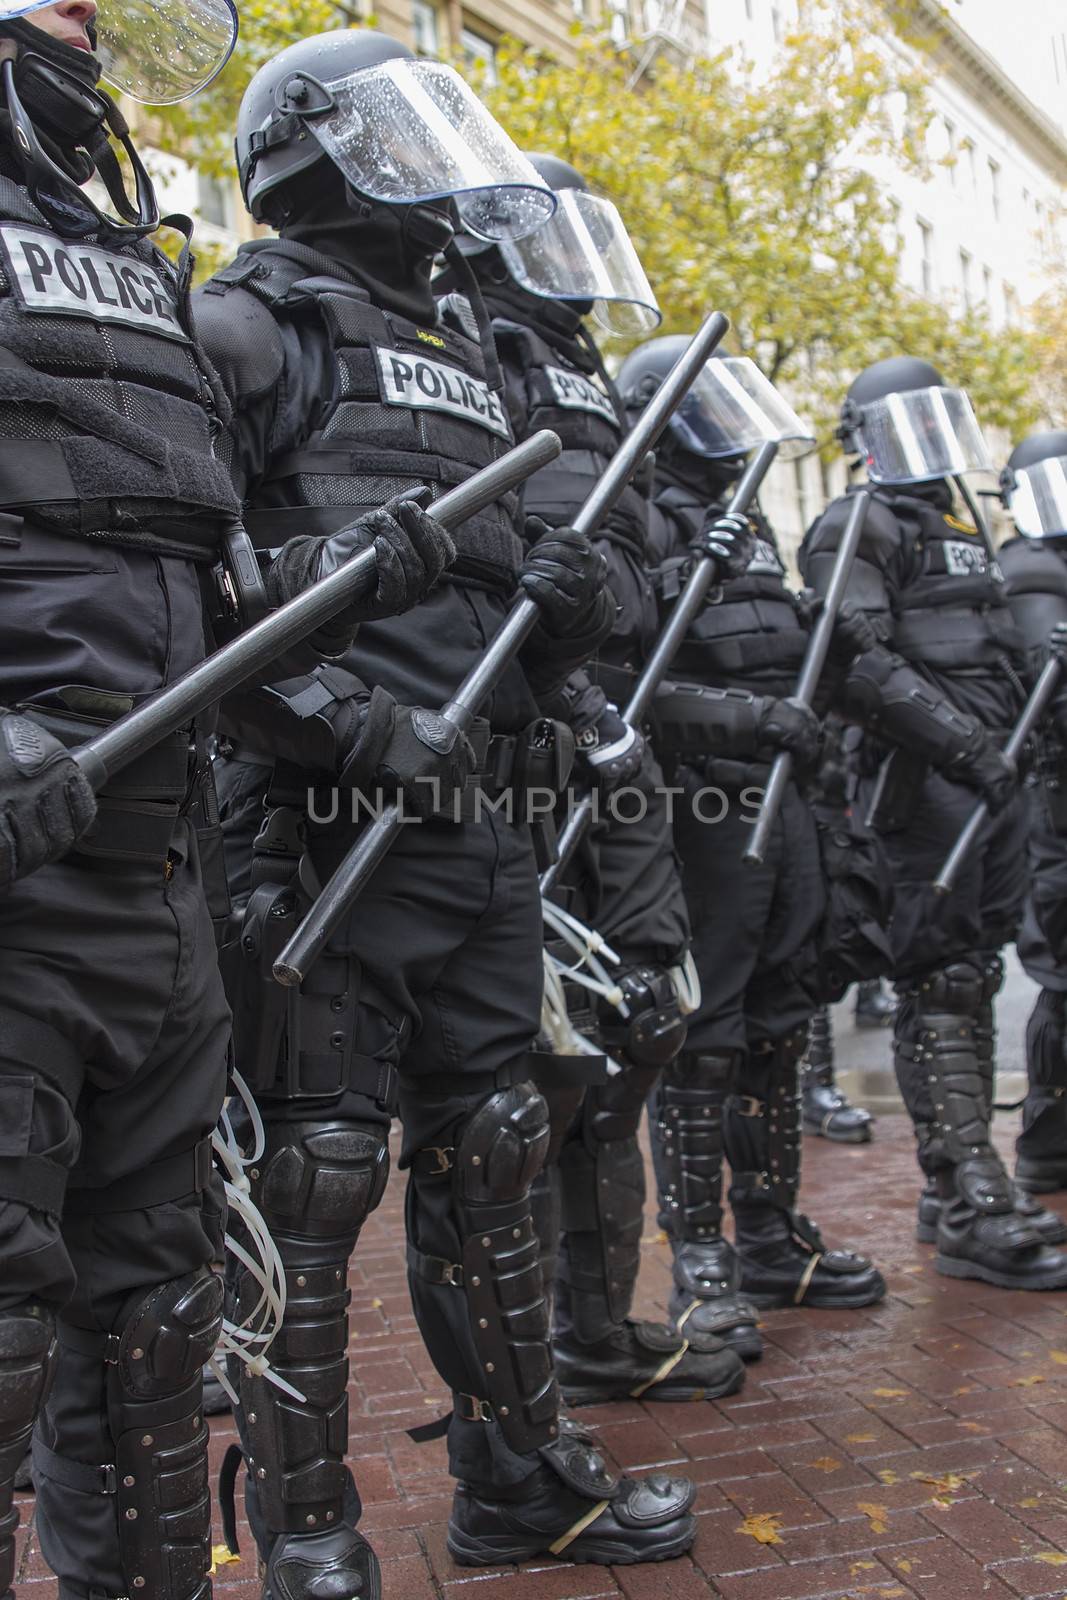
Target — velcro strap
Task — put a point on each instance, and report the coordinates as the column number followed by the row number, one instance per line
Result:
column 34, row 472
column 321, row 1072
column 162, row 773
column 430, row 1430
column 130, row 830
column 189, row 1172
column 434, row 1269
column 76, row 1475
column 35, row 1181
column 562, row 1072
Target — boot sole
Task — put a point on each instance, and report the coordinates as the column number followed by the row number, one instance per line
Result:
column 665, row 1391
column 507, row 1549
column 953, row 1267
column 860, row 1136
column 817, row 1302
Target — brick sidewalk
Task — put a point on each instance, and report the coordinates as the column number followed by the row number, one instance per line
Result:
column 918, row 1449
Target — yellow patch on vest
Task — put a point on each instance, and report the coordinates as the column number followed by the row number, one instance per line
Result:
column 961, row 527
column 432, row 338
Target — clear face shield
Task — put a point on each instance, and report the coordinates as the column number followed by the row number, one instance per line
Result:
column 156, row 51
column 732, row 408
column 1037, row 498
column 921, row 435
column 410, row 131
column 585, row 253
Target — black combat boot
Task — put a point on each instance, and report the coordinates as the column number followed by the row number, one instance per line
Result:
column 572, row 1507
column 601, row 1352
column 1041, row 1148
column 1051, row 1228
column 783, row 1258
column 686, row 1127
column 875, row 1007
column 825, row 1110
column 945, row 1067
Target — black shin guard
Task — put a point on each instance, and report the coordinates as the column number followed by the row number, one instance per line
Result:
column 1041, row 1149
column 825, row 1110
column 27, row 1364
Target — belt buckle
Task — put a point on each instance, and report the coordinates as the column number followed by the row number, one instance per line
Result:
column 443, row 1155
column 480, row 1410
column 452, row 1274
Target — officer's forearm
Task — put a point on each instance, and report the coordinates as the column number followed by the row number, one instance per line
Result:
column 888, row 697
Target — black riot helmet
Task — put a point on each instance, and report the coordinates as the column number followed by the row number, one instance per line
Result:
column 909, row 426
column 557, row 173
column 729, row 410
column 1033, row 485
column 399, row 129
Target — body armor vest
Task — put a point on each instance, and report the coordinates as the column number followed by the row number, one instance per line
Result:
column 1035, row 579
column 562, row 391
column 951, row 611
column 107, row 411
column 749, row 635
column 410, row 406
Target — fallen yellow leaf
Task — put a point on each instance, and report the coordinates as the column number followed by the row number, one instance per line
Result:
column 860, row 1438
column 1028, row 1505
column 890, row 1394
column 377, row 1304
column 1028, row 1381
column 221, row 1556
column 763, row 1526
column 904, row 1564
column 1059, row 1357
column 862, row 1566
column 826, row 1464
column 1052, row 1558
column 964, row 1388
column 876, row 1515
column 973, row 1427
column 888, row 1476
column 946, row 1485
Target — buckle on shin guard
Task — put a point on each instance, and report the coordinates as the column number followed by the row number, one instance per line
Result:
column 476, row 1410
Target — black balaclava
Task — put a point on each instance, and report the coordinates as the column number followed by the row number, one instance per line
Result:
column 62, row 128
column 383, row 247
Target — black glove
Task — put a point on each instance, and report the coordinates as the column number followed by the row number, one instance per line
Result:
column 610, row 749
column 411, row 750
column 988, row 770
column 565, row 574
column 411, row 550
column 730, row 540
column 46, row 802
column 790, row 725
column 853, row 634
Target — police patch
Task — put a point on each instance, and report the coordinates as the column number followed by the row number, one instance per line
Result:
column 576, row 392
column 419, row 384
column 79, row 280
column 964, row 560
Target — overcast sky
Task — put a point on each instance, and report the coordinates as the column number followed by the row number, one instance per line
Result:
column 1029, row 40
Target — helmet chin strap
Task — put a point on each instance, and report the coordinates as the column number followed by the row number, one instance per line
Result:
column 93, row 114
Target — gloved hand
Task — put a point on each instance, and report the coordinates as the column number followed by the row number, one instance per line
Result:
column 1057, row 640
column 790, row 725
column 610, row 750
column 987, row 770
column 411, row 550
column 46, row 802
column 565, row 574
column 853, row 635
column 410, row 750
column 730, row 540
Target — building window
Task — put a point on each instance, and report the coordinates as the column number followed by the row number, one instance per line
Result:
column 987, row 287
column 214, row 201
column 965, row 276
column 748, row 10
column 950, row 150
column 776, row 24
column 479, row 52
column 970, row 164
column 926, row 260
column 1011, row 305
column 994, row 187
column 424, row 27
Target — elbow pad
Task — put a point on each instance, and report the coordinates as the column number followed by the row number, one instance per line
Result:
column 887, row 696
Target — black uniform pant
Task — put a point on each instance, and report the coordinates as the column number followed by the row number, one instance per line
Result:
column 113, row 1053
column 754, row 927
column 1042, row 948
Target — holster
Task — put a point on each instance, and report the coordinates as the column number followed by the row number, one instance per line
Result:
column 264, row 1012
column 898, row 790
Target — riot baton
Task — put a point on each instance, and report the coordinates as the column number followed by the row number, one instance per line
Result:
column 663, row 653
column 256, row 648
column 1029, row 717
column 374, row 843
column 810, row 673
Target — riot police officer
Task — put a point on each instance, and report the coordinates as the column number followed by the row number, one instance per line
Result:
column 722, row 718
column 352, row 384
column 113, row 1024
column 539, row 290
column 934, row 598
column 1035, row 575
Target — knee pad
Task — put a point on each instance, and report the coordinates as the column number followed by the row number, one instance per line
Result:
column 501, row 1146
column 654, row 1030
column 318, row 1182
column 958, row 988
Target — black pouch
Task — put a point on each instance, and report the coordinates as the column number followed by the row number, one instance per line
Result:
column 898, row 790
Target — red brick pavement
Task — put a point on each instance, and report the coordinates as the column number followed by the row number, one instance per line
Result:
column 918, row 1449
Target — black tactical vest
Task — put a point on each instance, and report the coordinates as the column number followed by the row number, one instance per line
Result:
column 561, row 391
column 951, row 610
column 750, row 634
column 410, row 405
column 107, row 411
column 1035, row 579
